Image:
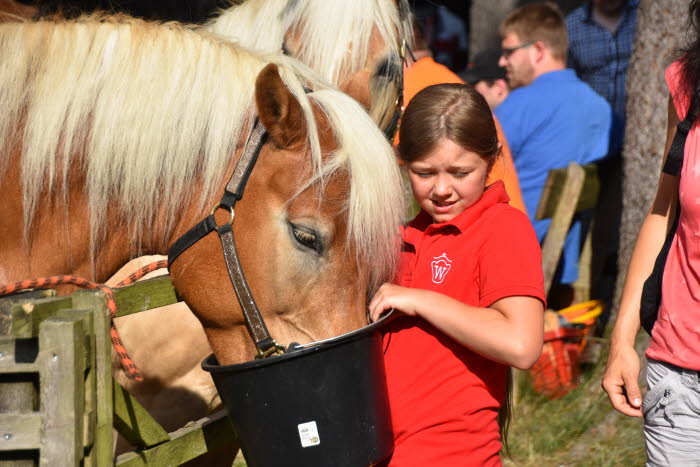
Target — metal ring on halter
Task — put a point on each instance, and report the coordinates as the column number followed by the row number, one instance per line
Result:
column 223, row 206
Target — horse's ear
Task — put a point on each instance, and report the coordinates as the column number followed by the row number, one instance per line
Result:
column 278, row 109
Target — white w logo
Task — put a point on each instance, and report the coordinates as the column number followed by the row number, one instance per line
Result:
column 440, row 265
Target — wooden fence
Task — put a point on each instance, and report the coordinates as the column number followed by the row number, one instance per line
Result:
column 58, row 400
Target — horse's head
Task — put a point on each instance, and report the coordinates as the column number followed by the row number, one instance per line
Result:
column 358, row 45
column 314, row 234
column 365, row 46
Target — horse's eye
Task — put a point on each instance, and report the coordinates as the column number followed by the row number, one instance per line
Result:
column 307, row 238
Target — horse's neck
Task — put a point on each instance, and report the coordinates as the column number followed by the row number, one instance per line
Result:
column 58, row 240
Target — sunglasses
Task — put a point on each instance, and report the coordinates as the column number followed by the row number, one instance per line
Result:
column 506, row 52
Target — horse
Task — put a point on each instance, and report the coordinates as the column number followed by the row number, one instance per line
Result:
column 117, row 136
column 11, row 10
column 357, row 45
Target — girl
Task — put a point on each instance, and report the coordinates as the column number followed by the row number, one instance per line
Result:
column 469, row 288
column 671, row 408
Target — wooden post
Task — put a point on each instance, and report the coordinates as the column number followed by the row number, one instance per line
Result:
column 561, row 221
column 582, row 286
column 102, row 452
column 62, row 349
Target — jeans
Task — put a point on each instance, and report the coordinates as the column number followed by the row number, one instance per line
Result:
column 672, row 416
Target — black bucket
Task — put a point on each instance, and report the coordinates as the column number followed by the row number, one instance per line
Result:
column 322, row 405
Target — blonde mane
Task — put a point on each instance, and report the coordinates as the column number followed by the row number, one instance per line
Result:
column 334, row 35
column 145, row 109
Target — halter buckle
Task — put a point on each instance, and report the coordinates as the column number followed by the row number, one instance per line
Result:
column 274, row 350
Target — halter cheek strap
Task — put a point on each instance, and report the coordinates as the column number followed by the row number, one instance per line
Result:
column 234, row 192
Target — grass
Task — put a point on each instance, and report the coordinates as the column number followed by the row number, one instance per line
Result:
column 580, row 429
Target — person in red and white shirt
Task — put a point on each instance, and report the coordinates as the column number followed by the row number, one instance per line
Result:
column 469, row 292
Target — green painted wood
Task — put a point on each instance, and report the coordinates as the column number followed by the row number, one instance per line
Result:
column 553, row 191
column 7, row 302
column 561, row 221
column 145, row 295
column 18, row 378
column 208, row 434
column 61, row 344
column 16, row 357
column 134, row 422
column 86, row 317
column 20, row 431
column 18, row 395
column 582, row 286
column 27, row 317
column 98, row 382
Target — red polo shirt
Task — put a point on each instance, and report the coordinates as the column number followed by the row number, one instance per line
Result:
column 444, row 397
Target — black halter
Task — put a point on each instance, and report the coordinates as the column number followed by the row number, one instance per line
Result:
column 264, row 343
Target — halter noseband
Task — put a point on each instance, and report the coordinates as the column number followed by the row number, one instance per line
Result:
column 264, row 343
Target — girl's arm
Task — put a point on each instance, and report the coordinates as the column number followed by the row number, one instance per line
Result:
column 509, row 331
column 622, row 371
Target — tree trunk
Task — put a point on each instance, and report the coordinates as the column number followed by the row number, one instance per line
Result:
column 485, row 16
column 661, row 27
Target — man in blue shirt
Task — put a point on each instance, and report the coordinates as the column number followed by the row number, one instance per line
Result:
column 550, row 117
column 601, row 33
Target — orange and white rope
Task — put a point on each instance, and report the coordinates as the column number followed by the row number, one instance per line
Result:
column 127, row 363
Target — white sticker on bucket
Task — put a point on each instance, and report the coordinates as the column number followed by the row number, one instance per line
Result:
column 308, row 433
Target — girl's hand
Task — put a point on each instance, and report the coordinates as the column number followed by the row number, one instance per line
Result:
column 390, row 296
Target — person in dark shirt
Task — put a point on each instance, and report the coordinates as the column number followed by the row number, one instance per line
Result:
column 487, row 77
column 601, row 33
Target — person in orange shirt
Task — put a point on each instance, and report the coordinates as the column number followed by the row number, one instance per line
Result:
column 423, row 72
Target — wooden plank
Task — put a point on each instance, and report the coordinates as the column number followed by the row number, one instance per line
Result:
column 88, row 363
column 61, row 344
column 134, row 422
column 553, row 191
column 18, row 379
column 27, row 317
column 208, row 434
column 98, row 382
column 86, row 317
column 582, row 286
column 7, row 365
column 8, row 301
column 16, row 356
column 145, row 295
column 561, row 221
column 20, row 431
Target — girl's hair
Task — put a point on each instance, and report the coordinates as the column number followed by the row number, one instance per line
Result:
column 453, row 111
column 689, row 55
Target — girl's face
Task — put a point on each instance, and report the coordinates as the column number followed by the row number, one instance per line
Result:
column 448, row 180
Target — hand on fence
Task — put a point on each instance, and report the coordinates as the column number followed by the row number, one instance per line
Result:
column 620, row 380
